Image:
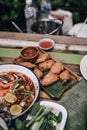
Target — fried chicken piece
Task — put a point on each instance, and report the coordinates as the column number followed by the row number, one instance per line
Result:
column 28, row 64
column 18, row 60
column 46, row 65
column 65, row 76
column 49, row 79
column 42, row 58
column 38, row 72
column 57, row 68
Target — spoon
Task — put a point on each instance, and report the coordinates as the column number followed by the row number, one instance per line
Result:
column 16, row 26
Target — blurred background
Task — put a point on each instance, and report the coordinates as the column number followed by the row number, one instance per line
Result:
column 13, row 10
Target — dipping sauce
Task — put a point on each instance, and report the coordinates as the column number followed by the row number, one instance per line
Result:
column 46, row 44
column 29, row 52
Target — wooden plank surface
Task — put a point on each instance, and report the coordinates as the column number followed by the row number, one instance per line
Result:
column 74, row 68
column 62, row 43
column 36, row 37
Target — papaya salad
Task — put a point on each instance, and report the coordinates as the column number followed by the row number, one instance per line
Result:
column 17, row 92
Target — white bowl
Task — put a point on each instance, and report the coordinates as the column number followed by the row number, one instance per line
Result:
column 46, row 44
column 27, row 72
column 78, row 30
column 56, row 109
column 83, row 67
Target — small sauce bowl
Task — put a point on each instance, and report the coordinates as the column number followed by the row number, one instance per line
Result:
column 29, row 53
column 46, row 44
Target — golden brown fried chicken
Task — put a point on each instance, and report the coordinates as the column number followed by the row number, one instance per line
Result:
column 42, row 58
column 38, row 72
column 57, row 68
column 49, row 79
column 65, row 76
column 18, row 60
column 46, row 65
column 28, row 64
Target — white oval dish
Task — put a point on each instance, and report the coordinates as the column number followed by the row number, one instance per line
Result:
column 83, row 67
column 44, row 40
column 56, row 109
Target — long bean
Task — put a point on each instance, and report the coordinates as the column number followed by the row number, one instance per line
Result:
column 34, row 117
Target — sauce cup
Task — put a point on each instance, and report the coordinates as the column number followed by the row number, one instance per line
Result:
column 46, row 44
column 29, row 53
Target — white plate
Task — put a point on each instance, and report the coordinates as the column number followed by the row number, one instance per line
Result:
column 56, row 109
column 83, row 67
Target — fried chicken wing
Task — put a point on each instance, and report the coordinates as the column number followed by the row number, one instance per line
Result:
column 43, row 58
column 18, row 60
column 49, row 79
column 38, row 72
column 57, row 68
column 46, row 64
column 64, row 76
column 28, row 64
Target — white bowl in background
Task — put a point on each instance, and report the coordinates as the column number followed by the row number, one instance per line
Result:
column 78, row 30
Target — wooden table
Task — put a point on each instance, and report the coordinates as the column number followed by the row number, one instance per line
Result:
column 64, row 46
column 78, row 45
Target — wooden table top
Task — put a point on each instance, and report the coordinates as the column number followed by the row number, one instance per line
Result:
column 36, row 37
column 64, row 44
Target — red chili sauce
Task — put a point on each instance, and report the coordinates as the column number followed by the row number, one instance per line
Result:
column 46, row 44
column 29, row 52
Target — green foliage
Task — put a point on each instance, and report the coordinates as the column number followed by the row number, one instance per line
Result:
column 12, row 5
column 13, row 10
column 9, row 11
column 81, row 3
